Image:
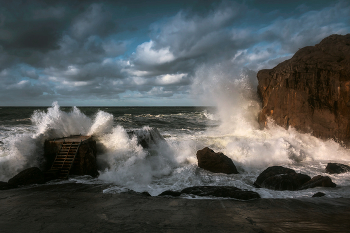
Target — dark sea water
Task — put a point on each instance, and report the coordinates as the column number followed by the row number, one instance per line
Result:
column 173, row 165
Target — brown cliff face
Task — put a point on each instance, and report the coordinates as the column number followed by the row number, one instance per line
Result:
column 311, row 91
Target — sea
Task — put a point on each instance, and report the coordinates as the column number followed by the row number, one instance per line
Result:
column 125, row 165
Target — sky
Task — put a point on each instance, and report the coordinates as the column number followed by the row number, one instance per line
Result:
column 150, row 53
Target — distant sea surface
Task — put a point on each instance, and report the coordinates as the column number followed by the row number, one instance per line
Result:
column 126, row 165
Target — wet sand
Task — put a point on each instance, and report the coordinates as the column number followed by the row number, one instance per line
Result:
column 84, row 208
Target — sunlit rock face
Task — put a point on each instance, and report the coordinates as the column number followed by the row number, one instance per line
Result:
column 310, row 91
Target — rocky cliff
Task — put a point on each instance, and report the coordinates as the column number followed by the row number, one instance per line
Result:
column 311, row 91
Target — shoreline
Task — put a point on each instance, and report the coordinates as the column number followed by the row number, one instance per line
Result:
column 77, row 207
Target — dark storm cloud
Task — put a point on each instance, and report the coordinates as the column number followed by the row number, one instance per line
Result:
column 65, row 50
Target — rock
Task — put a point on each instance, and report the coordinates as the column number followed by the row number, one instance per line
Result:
column 170, row 193
column 291, row 181
column 145, row 194
column 215, row 162
column 139, row 193
column 147, row 137
column 310, row 91
column 5, row 186
column 51, row 175
column 319, row 181
column 270, row 172
column 336, row 168
column 318, row 194
column 28, row 176
column 221, row 191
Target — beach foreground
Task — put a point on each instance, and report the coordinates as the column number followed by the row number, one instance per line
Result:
column 73, row 207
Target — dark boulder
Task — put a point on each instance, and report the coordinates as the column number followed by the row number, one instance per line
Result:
column 310, row 91
column 215, row 162
column 221, row 191
column 28, row 176
column 270, row 172
column 319, row 194
column 5, row 186
column 170, row 193
column 319, row 181
column 336, row 168
column 291, row 181
column 147, row 137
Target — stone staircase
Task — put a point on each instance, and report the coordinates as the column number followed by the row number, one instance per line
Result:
column 64, row 159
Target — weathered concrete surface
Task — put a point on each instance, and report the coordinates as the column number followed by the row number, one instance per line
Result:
column 84, row 208
column 85, row 162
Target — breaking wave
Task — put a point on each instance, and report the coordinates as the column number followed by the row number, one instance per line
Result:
column 172, row 163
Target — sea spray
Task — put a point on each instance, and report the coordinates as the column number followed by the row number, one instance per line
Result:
column 128, row 164
column 26, row 149
column 56, row 123
column 173, row 164
column 103, row 123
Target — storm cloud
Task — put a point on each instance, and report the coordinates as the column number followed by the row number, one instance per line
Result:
column 149, row 52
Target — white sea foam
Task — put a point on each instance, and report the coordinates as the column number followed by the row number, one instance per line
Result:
column 173, row 164
column 24, row 149
column 126, row 163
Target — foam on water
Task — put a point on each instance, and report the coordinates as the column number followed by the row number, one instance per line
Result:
column 22, row 146
column 233, row 130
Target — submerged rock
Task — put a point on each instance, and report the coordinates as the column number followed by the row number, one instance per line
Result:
column 221, row 191
column 28, row 176
column 215, row 162
column 147, row 137
column 319, row 181
column 337, row 168
column 310, row 91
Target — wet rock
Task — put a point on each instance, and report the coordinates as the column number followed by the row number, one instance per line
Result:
column 170, row 193
column 336, row 168
column 270, row 172
column 145, row 194
column 215, row 162
column 5, row 186
column 292, row 181
column 319, row 194
column 221, row 191
column 147, row 137
column 28, row 176
column 139, row 193
column 319, row 181
column 310, row 91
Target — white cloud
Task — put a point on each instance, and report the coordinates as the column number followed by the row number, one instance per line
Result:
column 170, row 79
column 23, row 82
column 147, row 54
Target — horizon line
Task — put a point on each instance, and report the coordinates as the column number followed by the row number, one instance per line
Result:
column 107, row 106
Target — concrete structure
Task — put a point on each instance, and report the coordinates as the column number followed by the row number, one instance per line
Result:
column 74, row 155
